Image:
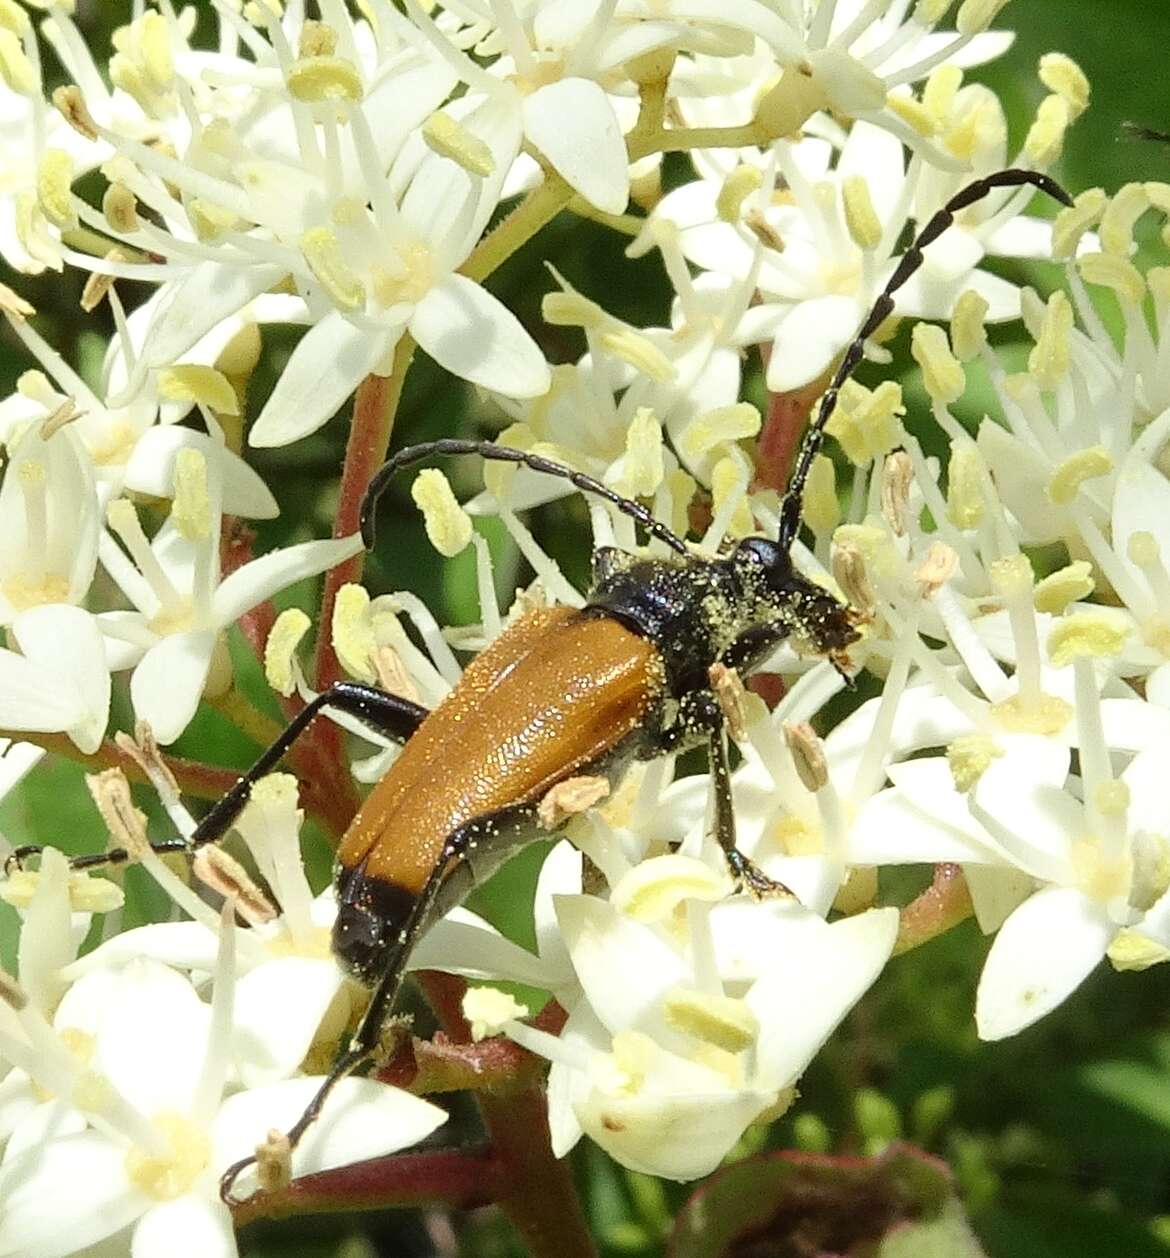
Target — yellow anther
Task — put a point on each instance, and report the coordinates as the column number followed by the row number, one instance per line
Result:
column 120, row 206
column 728, row 482
column 714, row 427
column 448, row 525
column 570, row 309
column 323, row 254
column 808, row 755
column 449, row 138
column 867, row 424
column 1067, row 585
column 489, row 1010
column 861, row 218
column 352, row 630
column 498, row 477
column 1040, row 714
column 15, row 68
column 1115, row 273
column 821, row 510
column 654, row 888
column 965, row 501
column 643, row 462
column 1143, row 549
column 969, row 757
column 1111, row 799
column 194, row 382
column 191, row 511
column 874, row 544
column 942, row 373
column 1133, row 951
column 737, row 187
column 211, row 221
column 1045, row 138
column 1095, row 634
column 914, row 113
column 928, row 12
column 1066, row 480
column 640, row 352
column 1049, row 358
column 975, row 16
column 1072, row 223
column 852, row 579
column 317, row 39
column 941, row 563
column 70, row 104
column 1124, row 209
column 940, row 90
column 682, row 486
column 712, row 1018
column 280, row 649
column 142, row 64
column 1062, row 75
column 55, row 188
column 87, row 893
column 1012, row 578
column 318, row 79
column 167, row 1176
column 968, row 335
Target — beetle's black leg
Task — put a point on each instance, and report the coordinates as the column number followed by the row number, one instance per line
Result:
column 754, row 646
column 388, row 714
column 92, row 860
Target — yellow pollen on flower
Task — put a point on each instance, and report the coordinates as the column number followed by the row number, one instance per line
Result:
column 412, row 283
column 643, row 462
column 318, row 79
column 1123, row 210
column 914, row 113
column 191, row 512
column 723, row 424
column 322, row 252
column 1045, row 138
column 449, row 138
column 1142, row 549
column 210, row 220
column 717, row 1020
column 737, row 187
column 1072, row 222
column 120, row 206
column 194, row 382
column 1067, row 585
column 970, row 756
column 1039, row 714
column 15, row 68
column 1116, row 273
column 795, row 836
column 942, row 373
column 640, row 352
column 1092, row 634
column 1155, row 633
column 653, row 889
column 940, row 90
column 682, row 487
column 821, row 510
column 353, row 634
column 317, row 39
column 865, row 228
column 87, row 892
column 1067, row 477
column 142, row 64
column 965, row 501
column 280, row 648
column 1103, row 879
column 1062, row 75
column 1111, row 799
column 489, row 1010
column 55, row 188
column 975, row 16
column 448, row 525
column 633, row 1057
column 968, row 335
column 165, row 1176
column 867, row 423
column 1049, row 358
column 727, row 482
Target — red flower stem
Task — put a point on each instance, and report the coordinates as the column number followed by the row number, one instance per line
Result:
column 784, row 424
column 943, row 905
column 537, row 1194
column 459, row 1179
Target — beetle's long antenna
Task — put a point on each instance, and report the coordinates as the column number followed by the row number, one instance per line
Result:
column 507, row 454
column 912, row 259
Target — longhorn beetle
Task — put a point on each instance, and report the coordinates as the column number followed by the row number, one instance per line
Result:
column 562, row 692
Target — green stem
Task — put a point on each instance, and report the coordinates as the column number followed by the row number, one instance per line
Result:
column 539, row 207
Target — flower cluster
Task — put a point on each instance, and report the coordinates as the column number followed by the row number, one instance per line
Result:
column 357, row 177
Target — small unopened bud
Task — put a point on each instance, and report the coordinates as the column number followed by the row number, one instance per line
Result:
column 70, row 104
column 225, row 875
column 274, row 1162
column 569, row 798
column 808, row 754
column 936, row 569
column 897, row 477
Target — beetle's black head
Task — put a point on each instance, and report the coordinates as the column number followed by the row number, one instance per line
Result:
column 765, row 562
column 371, row 914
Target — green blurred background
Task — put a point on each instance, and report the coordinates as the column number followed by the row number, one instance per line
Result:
column 1060, row 1138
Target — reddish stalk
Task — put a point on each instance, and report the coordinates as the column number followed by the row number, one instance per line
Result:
column 943, row 905
column 784, row 424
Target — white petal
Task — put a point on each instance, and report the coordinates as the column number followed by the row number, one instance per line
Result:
column 188, row 1227
column 1021, row 237
column 808, row 340
column 84, row 1177
column 185, row 945
column 803, row 996
column 31, row 1124
column 168, row 682
column 996, row 892
column 1042, row 953
column 153, row 1037
column 328, row 364
column 151, row 470
column 474, row 335
column 573, row 124
column 278, row 1008
column 276, row 571
column 462, row 943
column 362, row 1119
column 46, row 936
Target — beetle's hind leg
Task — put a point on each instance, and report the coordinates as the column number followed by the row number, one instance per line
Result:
column 16, row 859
